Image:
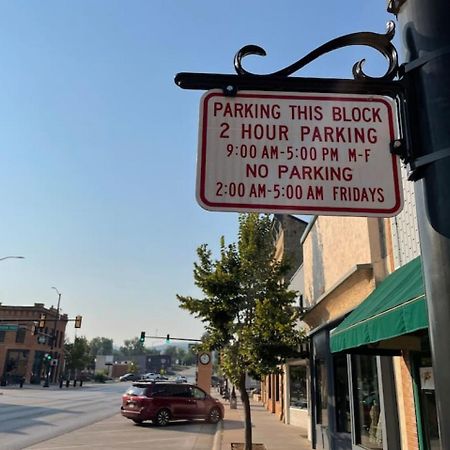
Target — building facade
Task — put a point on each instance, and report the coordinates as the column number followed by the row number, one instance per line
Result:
column 370, row 368
column 26, row 353
column 344, row 259
column 287, row 232
column 393, row 321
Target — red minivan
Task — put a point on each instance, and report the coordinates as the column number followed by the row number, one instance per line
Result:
column 163, row 402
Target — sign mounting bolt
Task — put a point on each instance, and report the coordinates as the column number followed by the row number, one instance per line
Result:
column 230, row 90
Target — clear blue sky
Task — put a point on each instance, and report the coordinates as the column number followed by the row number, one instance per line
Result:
column 98, row 145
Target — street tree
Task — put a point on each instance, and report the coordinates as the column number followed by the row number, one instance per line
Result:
column 247, row 308
column 132, row 347
column 101, row 346
column 76, row 354
column 171, row 351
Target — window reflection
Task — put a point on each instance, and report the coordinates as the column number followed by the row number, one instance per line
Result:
column 298, row 397
column 367, row 402
column 321, row 393
column 343, row 421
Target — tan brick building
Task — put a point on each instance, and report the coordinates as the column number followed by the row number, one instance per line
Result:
column 287, row 232
column 360, row 279
column 22, row 353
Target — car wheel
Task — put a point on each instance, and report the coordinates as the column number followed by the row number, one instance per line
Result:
column 163, row 417
column 138, row 421
column 214, row 415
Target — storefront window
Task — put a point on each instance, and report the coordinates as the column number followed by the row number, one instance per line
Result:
column 367, row 402
column 297, row 383
column 16, row 365
column 343, row 422
column 321, row 393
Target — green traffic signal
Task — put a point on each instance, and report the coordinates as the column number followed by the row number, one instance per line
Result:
column 167, row 338
column 142, row 338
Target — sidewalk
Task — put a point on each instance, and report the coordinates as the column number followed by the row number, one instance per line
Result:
column 267, row 429
column 51, row 387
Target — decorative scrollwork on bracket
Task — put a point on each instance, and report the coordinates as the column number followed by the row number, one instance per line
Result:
column 380, row 42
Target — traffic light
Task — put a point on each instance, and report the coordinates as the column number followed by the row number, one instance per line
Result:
column 78, row 321
column 42, row 320
column 168, row 339
column 142, row 338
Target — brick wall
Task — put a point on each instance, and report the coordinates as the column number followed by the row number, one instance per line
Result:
column 409, row 405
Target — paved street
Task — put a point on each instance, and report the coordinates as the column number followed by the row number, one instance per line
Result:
column 34, row 414
column 119, row 433
column 87, row 417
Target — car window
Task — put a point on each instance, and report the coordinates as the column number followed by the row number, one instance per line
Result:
column 161, row 391
column 198, row 394
column 180, row 391
column 148, row 392
column 135, row 391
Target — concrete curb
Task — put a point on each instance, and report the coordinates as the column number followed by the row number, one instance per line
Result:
column 217, row 443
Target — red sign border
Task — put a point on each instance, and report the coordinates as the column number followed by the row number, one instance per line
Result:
column 308, row 210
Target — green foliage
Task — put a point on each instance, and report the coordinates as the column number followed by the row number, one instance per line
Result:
column 152, row 351
column 133, row 368
column 132, row 347
column 101, row 346
column 172, row 352
column 100, row 377
column 76, row 354
column 247, row 308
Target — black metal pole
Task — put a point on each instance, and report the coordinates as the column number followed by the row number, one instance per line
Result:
column 426, row 38
column 52, row 344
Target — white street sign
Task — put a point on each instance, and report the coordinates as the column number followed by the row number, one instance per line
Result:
column 298, row 153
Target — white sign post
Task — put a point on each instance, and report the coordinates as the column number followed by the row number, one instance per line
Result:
column 298, row 153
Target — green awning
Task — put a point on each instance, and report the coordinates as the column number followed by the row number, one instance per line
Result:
column 396, row 307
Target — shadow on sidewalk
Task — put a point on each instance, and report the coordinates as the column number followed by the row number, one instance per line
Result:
column 179, row 425
column 241, row 446
column 230, row 424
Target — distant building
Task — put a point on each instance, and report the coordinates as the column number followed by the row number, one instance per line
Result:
column 142, row 364
column 158, row 363
column 103, row 363
column 22, row 354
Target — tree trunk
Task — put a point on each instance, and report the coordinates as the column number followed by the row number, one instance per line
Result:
column 247, row 413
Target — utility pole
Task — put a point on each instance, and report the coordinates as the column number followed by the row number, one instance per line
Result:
column 53, row 338
column 56, row 368
column 426, row 38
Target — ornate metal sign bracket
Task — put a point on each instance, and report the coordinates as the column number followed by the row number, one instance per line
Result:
column 392, row 83
column 282, row 81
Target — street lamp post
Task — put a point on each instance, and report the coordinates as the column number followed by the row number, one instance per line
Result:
column 59, row 301
column 9, row 257
column 53, row 337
